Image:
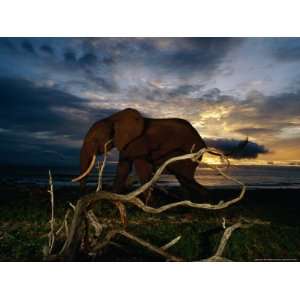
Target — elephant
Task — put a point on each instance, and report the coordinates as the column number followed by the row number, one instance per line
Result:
column 143, row 143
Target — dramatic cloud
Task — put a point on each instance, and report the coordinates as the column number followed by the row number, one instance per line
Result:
column 204, row 53
column 28, row 47
column 53, row 89
column 256, row 131
column 287, row 49
column 251, row 150
column 70, row 57
column 47, row 49
column 266, row 117
column 88, row 59
column 7, row 43
column 42, row 121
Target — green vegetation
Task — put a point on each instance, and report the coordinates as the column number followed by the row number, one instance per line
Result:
column 24, row 216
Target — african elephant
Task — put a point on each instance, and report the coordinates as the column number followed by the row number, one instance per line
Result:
column 144, row 144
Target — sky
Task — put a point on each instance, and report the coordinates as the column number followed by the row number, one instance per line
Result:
column 53, row 89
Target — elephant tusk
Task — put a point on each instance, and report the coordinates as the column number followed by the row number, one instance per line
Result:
column 89, row 169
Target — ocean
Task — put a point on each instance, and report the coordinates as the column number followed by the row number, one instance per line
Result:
column 255, row 177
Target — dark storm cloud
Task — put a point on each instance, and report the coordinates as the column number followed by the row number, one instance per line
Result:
column 70, row 57
column 204, row 54
column 39, row 119
column 88, row 59
column 182, row 52
column 108, row 60
column 151, row 91
column 87, row 65
column 27, row 45
column 7, row 43
column 263, row 116
column 107, row 85
column 184, row 90
column 212, row 94
column 178, row 55
column 146, row 92
column 282, row 106
column 256, row 131
column 22, row 148
column 276, row 107
column 97, row 61
column 286, row 49
column 26, row 106
column 251, row 150
column 47, row 49
column 166, row 77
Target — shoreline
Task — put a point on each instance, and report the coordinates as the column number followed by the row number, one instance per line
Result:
column 66, row 184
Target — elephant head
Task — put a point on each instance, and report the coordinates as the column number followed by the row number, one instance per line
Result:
column 121, row 128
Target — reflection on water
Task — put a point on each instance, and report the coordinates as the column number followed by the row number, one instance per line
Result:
column 252, row 176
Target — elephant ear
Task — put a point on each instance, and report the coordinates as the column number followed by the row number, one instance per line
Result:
column 128, row 125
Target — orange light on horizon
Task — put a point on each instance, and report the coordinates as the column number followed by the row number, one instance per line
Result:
column 211, row 159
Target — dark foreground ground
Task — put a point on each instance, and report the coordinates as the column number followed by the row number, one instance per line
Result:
column 25, row 211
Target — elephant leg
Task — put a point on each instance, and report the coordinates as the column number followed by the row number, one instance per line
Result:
column 194, row 190
column 184, row 171
column 144, row 171
column 123, row 170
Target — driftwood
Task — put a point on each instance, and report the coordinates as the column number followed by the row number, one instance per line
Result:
column 77, row 237
column 158, row 250
column 242, row 223
column 51, row 233
column 101, row 167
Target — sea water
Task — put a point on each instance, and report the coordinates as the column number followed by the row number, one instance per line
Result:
column 254, row 176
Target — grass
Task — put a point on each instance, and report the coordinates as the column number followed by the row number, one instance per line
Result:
column 24, row 215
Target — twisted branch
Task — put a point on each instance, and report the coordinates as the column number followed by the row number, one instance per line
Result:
column 101, row 169
column 160, row 251
column 94, row 222
column 83, row 211
column 243, row 223
column 133, row 199
column 171, row 243
column 51, row 234
column 64, row 224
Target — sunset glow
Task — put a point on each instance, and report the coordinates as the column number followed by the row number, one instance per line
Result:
column 53, row 89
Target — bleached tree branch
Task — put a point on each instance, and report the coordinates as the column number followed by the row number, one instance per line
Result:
column 101, row 168
column 83, row 211
column 243, row 223
column 171, row 243
column 51, row 234
column 133, row 199
column 64, row 224
column 95, row 223
column 160, row 251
